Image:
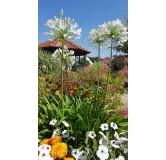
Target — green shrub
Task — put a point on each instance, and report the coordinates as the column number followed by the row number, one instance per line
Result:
column 118, row 63
column 47, row 64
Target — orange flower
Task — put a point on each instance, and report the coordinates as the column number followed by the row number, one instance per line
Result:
column 54, row 139
column 68, row 158
column 59, row 150
column 71, row 91
column 81, row 77
column 45, row 141
column 74, row 89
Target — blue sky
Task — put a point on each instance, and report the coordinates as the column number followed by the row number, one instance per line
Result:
column 88, row 14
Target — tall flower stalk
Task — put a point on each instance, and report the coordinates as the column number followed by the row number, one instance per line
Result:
column 96, row 38
column 62, row 73
column 108, row 76
column 115, row 32
column 63, row 28
column 98, row 79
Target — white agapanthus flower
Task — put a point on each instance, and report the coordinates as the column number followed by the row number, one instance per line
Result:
column 102, row 152
column 65, row 134
column 115, row 144
column 92, row 134
column 104, row 126
column 53, row 122
column 71, row 52
column 114, row 126
column 115, row 31
column 63, row 28
column 97, row 36
column 120, row 158
column 65, row 124
column 75, row 153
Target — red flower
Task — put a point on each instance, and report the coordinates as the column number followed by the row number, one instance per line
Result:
column 125, row 112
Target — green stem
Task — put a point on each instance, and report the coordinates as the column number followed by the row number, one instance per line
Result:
column 62, row 74
column 109, row 70
column 98, row 77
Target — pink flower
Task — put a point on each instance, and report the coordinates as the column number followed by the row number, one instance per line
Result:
column 104, row 69
column 86, row 69
column 110, row 86
column 126, row 59
column 125, row 112
column 106, row 60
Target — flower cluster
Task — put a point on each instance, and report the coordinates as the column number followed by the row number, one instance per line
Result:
column 63, row 28
column 109, row 32
column 107, row 144
column 54, row 148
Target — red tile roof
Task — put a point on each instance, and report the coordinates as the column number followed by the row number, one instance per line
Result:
column 70, row 45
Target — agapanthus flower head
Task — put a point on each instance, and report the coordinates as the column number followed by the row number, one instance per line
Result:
column 63, row 28
column 96, row 37
column 116, row 32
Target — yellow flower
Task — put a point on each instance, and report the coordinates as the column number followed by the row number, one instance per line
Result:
column 45, row 141
column 68, row 158
column 54, row 139
column 59, row 150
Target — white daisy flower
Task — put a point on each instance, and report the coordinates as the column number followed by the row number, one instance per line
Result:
column 102, row 152
column 75, row 153
column 104, row 126
column 115, row 144
column 120, row 158
column 116, row 135
column 92, row 134
column 53, row 122
column 114, row 126
column 123, row 139
column 65, row 134
column 66, row 124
